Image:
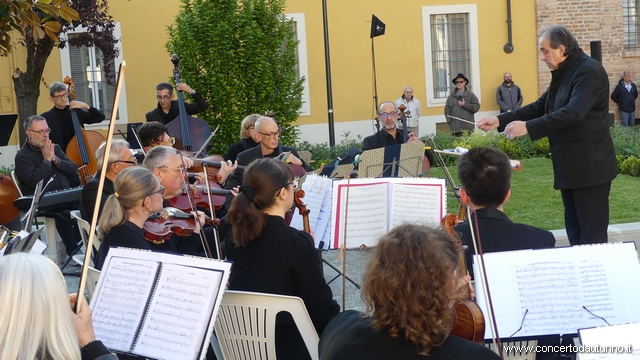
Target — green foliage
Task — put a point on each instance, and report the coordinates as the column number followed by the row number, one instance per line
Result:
column 323, row 153
column 6, row 170
column 626, row 141
column 241, row 56
column 630, row 166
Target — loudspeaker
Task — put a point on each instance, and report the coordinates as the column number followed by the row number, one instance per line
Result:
column 596, row 50
column 377, row 27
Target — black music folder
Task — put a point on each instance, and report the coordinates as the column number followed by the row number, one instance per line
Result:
column 7, row 123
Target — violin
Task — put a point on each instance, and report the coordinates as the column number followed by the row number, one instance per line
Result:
column 190, row 133
column 302, row 209
column 200, row 195
column 161, row 225
column 82, row 147
column 468, row 320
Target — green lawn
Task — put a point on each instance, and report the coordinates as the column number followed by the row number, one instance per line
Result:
column 534, row 201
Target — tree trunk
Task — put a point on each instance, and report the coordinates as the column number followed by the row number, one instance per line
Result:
column 26, row 84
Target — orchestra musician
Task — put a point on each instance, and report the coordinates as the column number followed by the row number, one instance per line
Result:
column 120, row 158
column 37, row 321
column 485, row 179
column 137, row 195
column 59, row 117
column 168, row 109
column 41, row 159
column 249, row 138
column 270, row 147
column 409, row 289
column 269, row 256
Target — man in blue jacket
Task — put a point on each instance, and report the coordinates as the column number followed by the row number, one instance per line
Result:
column 625, row 95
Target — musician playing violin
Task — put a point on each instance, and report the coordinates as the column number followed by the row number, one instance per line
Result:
column 270, row 256
column 270, row 147
column 409, row 289
column 41, row 159
column 119, row 158
column 167, row 109
column 485, row 178
column 137, row 195
column 59, row 117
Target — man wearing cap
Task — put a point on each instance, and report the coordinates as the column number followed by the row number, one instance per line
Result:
column 460, row 106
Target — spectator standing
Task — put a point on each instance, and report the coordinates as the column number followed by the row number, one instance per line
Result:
column 625, row 95
column 508, row 95
column 412, row 112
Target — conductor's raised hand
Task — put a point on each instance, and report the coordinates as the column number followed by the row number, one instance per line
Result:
column 488, row 123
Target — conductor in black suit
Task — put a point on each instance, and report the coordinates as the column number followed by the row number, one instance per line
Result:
column 485, row 178
column 168, row 109
column 573, row 114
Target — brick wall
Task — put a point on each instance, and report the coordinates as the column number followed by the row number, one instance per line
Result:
column 591, row 20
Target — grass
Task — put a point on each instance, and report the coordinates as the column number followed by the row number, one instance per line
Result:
column 534, row 201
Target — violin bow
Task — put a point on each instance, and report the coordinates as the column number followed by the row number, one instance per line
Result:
column 103, row 174
column 343, row 247
column 135, row 133
column 212, row 210
column 477, row 244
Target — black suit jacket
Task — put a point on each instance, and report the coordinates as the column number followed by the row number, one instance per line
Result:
column 247, row 157
column 498, row 233
column 158, row 114
column 237, row 148
column 62, row 129
column 379, row 140
column 573, row 114
column 90, row 194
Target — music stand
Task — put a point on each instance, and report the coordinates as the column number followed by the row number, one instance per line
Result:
column 403, row 160
column 131, row 138
column 7, row 123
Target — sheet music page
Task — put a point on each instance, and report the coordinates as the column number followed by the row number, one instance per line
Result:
column 553, row 291
column 324, row 216
column 179, row 312
column 625, row 338
column 313, row 198
column 118, row 304
column 367, row 216
column 417, row 201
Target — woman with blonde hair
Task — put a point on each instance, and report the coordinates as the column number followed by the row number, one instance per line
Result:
column 36, row 317
column 137, row 195
column 409, row 289
column 249, row 138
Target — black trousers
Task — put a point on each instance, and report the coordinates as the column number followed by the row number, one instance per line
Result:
column 586, row 214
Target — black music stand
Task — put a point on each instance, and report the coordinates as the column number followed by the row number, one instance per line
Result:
column 131, row 138
column 340, row 273
column 7, row 123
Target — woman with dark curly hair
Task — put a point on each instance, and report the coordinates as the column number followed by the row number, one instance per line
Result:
column 409, row 289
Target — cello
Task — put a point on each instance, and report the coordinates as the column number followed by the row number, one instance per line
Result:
column 8, row 193
column 82, row 147
column 190, row 133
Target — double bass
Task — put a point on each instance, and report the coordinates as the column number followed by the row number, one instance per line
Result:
column 82, row 147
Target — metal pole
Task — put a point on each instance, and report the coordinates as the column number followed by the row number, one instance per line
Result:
column 327, row 61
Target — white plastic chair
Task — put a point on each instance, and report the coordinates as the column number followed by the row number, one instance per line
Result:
column 93, row 275
column 84, row 228
column 15, row 181
column 246, row 323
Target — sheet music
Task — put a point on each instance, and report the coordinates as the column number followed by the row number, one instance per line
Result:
column 179, row 311
column 623, row 337
column 116, row 315
column 324, row 215
column 416, row 204
column 313, row 199
column 367, row 216
column 554, row 286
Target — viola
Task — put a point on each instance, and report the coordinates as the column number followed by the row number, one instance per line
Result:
column 82, row 147
column 190, row 133
column 200, row 195
column 161, row 225
column 302, row 209
column 468, row 320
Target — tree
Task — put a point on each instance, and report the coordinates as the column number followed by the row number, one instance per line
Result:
column 241, row 56
column 92, row 16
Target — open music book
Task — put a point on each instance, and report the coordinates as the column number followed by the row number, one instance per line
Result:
column 378, row 205
column 158, row 305
column 558, row 291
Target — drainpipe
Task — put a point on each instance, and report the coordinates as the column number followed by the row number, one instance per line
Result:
column 508, row 47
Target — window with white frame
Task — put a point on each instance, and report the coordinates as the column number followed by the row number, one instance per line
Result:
column 84, row 65
column 631, row 24
column 299, row 26
column 450, row 47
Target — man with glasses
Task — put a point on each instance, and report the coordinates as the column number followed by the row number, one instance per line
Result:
column 389, row 134
column 269, row 147
column 59, row 117
column 119, row 158
column 461, row 106
column 41, row 159
column 168, row 109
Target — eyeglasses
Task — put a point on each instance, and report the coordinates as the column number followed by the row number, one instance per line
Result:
column 60, row 97
column 460, row 81
column 386, row 115
column 294, row 183
column 159, row 191
column 180, row 169
column 163, row 97
column 272, row 135
column 132, row 162
column 172, row 141
column 41, row 132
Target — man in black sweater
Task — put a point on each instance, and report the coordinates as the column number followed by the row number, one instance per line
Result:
column 168, row 109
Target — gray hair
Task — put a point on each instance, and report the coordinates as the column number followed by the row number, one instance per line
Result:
column 261, row 122
column 57, row 87
column 626, row 72
column 560, row 35
column 27, row 123
column 117, row 145
column 407, row 87
column 387, row 102
column 159, row 156
column 44, row 329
